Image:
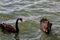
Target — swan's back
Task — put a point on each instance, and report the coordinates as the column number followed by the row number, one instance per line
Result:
column 8, row 27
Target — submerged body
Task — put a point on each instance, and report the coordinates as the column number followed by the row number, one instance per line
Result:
column 9, row 28
column 45, row 25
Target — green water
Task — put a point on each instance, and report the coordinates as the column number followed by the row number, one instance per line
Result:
column 32, row 11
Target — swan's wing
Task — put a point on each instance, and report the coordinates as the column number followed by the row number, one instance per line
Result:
column 8, row 27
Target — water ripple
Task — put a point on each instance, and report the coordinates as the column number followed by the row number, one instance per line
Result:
column 16, row 8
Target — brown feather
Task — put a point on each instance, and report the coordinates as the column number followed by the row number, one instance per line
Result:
column 8, row 27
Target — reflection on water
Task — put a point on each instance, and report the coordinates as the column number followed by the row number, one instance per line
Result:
column 16, row 36
column 31, row 11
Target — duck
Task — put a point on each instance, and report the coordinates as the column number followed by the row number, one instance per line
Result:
column 45, row 25
column 10, row 28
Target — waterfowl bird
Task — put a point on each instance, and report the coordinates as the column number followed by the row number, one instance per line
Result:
column 9, row 28
column 45, row 25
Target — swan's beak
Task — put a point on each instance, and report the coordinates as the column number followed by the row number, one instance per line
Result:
column 46, row 30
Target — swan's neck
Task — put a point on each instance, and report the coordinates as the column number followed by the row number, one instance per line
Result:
column 17, row 29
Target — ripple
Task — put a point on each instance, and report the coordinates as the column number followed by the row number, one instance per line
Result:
column 12, row 9
column 11, row 6
column 25, row 18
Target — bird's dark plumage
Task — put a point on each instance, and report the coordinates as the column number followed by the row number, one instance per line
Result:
column 9, row 28
column 45, row 25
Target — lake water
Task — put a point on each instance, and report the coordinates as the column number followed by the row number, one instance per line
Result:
column 32, row 11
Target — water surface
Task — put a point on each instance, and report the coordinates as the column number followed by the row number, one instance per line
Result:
column 31, row 11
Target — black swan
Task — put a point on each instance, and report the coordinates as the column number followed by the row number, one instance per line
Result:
column 9, row 28
column 45, row 25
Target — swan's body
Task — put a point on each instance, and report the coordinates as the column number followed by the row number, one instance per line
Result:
column 9, row 28
column 45, row 25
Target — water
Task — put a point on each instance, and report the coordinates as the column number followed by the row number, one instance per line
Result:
column 31, row 11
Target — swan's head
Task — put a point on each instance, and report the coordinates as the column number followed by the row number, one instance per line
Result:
column 44, row 23
column 20, row 19
column 43, row 20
